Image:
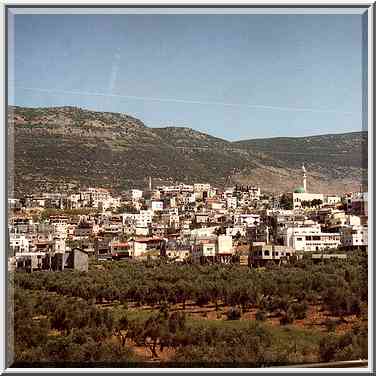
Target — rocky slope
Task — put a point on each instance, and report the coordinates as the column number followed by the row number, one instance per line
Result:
column 63, row 147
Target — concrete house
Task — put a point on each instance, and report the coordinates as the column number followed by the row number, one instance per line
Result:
column 261, row 253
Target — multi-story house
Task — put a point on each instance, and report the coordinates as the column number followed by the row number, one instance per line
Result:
column 310, row 238
column 18, row 243
column 200, row 187
column 231, row 202
column 136, row 194
column 247, row 219
column 357, row 203
column 261, row 253
column 204, row 249
column 354, row 236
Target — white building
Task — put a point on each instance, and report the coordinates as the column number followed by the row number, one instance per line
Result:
column 233, row 231
column 144, row 218
column 201, row 217
column 74, row 200
column 247, row 219
column 171, row 211
column 173, row 202
column 137, row 248
column 340, row 218
column 332, row 200
column 157, row 205
column 142, row 231
column 95, row 196
column 224, row 244
column 141, row 219
column 59, row 245
column 213, row 248
column 19, row 243
column 136, row 194
column 130, row 218
column 202, row 232
column 310, row 238
column 216, row 205
column 301, row 194
column 60, row 226
column 353, row 236
column 298, row 197
column 228, row 192
column 261, row 253
column 204, row 248
column 201, row 187
column 231, row 202
column 254, row 193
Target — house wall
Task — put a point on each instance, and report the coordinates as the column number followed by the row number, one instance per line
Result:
column 138, row 249
column 80, row 260
column 225, row 244
column 297, row 198
column 310, row 238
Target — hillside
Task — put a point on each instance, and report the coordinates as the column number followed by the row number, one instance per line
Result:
column 332, row 159
column 63, row 147
column 349, row 150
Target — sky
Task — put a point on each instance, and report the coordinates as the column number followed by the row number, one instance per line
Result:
column 239, row 76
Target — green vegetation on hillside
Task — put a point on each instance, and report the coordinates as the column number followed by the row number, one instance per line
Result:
column 68, row 144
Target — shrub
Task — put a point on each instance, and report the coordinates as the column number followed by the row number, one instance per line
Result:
column 299, row 310
column 260, row 315
column 233, row 313
column 330, row 325
column 328, row 347
column 349, row 346
column 288, row 317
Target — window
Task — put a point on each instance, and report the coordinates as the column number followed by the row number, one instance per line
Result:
column 299, row 239
column 315, row 237
column 308, row 237
column 267, row 253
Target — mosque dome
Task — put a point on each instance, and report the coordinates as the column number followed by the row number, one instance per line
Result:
column 299, row 190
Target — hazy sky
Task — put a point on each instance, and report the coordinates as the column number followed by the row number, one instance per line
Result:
column 232, row 76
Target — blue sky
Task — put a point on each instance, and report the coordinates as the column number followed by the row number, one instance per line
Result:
column 232, row 76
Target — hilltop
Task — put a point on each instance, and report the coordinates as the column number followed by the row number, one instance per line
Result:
column 66, row 146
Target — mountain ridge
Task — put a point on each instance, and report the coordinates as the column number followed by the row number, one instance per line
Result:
column 76, row 108
column 58, row 146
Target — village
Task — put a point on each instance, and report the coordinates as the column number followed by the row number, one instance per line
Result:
column 184, row 224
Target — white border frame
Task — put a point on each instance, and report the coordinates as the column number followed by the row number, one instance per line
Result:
column 211, row 3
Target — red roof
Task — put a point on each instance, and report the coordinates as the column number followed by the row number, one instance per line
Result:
column 150, row 239
column 120, row 244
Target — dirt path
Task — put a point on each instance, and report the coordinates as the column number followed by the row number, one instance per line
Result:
column 145, row 354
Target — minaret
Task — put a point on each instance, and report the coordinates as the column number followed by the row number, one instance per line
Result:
column 150, row 183
column 304, row 178
column 267, row 234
